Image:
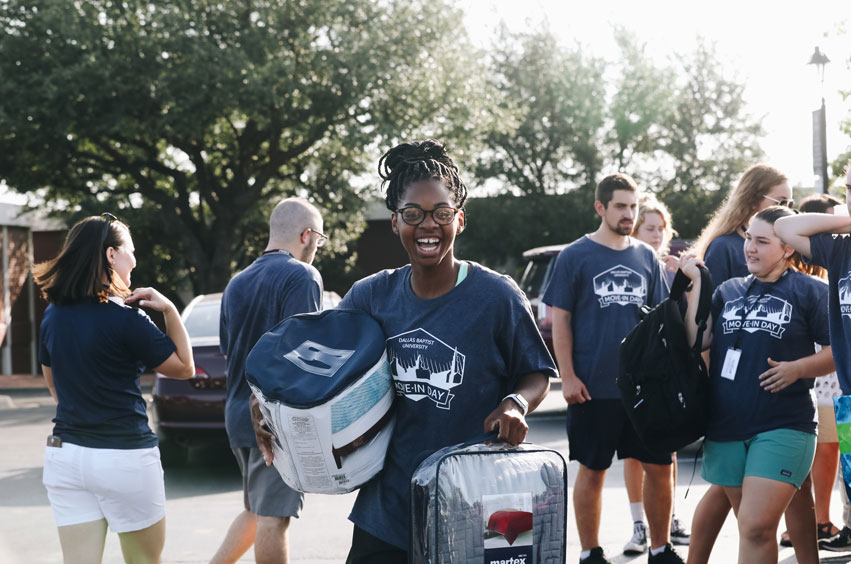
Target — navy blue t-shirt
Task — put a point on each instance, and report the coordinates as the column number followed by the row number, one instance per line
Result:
column 97, row 351
column 784, row 319
column 453, row 359
column 725, row 258
column 833, row 252
column 272, row 288
column 604, row 290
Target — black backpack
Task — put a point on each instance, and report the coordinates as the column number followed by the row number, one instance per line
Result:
column 662, row 378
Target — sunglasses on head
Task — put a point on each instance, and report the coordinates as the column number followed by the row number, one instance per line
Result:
column 784, row 202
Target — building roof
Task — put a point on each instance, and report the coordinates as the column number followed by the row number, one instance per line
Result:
column 15, row 215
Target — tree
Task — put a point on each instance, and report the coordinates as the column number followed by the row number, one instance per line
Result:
column 708, row 139
column 639, row 105
column 196, row 116
column 544, row 138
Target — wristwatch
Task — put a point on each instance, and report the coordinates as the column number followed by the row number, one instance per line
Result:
column 519, row 400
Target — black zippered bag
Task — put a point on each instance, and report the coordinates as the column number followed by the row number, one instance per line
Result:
column 663, row 381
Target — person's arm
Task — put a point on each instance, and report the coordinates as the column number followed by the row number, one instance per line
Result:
column 48, row 378
column 572, row 388
column 784, row 374
column 265, row 438
column 508, row 416
column 180, row 365
column 796, row 230
column 688, row 264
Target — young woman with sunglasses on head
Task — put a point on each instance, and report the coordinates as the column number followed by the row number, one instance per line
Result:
column 761, row 437
column 454, row 327
column 720, row 242
column 102, row 465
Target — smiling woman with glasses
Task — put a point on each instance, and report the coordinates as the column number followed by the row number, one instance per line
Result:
column 93, row 349
column 464, row 349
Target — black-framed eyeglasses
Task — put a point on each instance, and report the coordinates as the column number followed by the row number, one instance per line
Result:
column 413, row 215
column 787, row 202
column 107, row 219
column 323, row 238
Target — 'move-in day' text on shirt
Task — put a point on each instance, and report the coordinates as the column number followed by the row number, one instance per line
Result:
column 604, row 290
column 833, row 252
column 779, row 320
column 453, row 358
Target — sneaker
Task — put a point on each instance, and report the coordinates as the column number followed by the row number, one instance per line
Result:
column 679, row 534
column 596, row 557
column 667, row 556
column 840, row 542
column 638, row 543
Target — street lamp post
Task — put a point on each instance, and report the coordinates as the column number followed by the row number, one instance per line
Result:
column 819, row 59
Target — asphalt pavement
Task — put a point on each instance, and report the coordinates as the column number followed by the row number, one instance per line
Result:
column 204, row 494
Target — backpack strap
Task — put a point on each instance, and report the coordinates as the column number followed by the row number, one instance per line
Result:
column 704, row 304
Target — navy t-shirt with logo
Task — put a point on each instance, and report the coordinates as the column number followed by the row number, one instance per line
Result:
column 833, row 252
column 725, row 258
column 779, row 320
column 272, row 288
column 604, row 290
column 97, row 351
column 453, row 359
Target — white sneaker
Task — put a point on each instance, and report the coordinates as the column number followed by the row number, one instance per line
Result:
column 638, row 543
column 679, row 534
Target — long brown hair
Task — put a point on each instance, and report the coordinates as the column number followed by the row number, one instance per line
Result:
column 740, row 205
column 77, row 271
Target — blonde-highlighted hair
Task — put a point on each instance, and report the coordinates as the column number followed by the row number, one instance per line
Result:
column 648, row 203
column 740, row 204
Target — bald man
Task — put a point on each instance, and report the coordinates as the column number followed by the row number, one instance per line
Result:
column 279, row 283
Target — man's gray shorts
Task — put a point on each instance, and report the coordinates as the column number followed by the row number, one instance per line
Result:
column 264, row 492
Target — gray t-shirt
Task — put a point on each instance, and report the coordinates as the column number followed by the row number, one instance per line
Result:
column 603, row 289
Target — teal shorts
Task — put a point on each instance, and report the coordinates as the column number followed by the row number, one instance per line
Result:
column 784, row 455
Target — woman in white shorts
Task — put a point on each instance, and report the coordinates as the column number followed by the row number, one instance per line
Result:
column 102, row 465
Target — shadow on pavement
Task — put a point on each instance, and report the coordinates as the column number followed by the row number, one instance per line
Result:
column 209, row 468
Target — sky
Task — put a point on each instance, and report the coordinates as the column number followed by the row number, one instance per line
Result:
column 765, row 44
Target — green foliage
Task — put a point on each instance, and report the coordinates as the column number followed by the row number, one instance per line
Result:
column 203, row 114
column 680, row 129
column 708, row 138
column 501, row 227
column 548, row 116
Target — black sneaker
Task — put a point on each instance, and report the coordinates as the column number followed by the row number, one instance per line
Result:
column 840, row 542
column 667, row 556
column 596, row 557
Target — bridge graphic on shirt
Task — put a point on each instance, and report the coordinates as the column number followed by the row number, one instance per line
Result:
column 770, row 314
column 844, row 287
column 620, row 285
column 423, row 367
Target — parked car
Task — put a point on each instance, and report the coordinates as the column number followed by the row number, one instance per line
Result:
column 187, row 411
column 537, row 275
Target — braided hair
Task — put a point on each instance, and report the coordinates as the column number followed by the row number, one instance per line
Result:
column 407, row 163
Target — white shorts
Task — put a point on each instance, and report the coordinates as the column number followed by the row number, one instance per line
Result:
column 125, row 487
